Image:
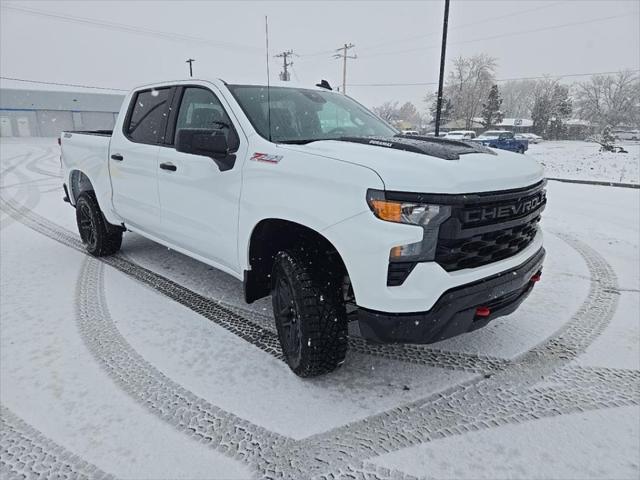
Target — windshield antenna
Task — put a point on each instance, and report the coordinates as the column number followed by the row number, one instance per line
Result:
column 266, row 35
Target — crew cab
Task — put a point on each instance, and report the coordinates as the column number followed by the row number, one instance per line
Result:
column 305, row 195
column 503, row 140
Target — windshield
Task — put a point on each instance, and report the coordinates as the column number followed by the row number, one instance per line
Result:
column 301, row 115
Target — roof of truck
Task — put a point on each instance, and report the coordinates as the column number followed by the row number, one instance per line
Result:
column 252, row 82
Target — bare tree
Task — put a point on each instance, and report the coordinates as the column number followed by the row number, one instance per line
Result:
column 388, row 111
column 610, row 99
column 468, row 84
column 517, row 98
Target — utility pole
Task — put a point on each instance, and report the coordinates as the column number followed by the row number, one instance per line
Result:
column 443, row 52
column 190, row 62
column 344, row 57
column 284, row 75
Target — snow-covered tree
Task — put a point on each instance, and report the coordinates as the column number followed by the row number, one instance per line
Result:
column 517, row 98
column 606, row 137
column 409, row 113
column 551, row 107
column 610, row 99
column 491, row 109
column 468, row 84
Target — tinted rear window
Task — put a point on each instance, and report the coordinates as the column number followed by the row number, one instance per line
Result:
column 148, row 115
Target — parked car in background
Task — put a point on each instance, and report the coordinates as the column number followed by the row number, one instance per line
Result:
column 503, row 140
column 626, row 134
column 410, row 132
column 461, row 135
column 530, row 137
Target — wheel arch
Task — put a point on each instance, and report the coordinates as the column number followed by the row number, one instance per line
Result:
column 271, row 235
column 79, row 182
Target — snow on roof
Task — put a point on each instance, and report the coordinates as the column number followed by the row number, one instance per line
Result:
column 32, row 99
column 515, row 122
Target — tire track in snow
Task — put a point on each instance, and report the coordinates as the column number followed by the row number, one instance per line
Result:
column 452, row 412
column 26, row 453
column 508, row 396
column 33, row 194
column 202, row 421
column 234, row 319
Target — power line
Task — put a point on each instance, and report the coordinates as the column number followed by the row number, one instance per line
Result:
column 464, row 25
column 416, row 84
column 419, row 37
column 25, row 80
column 134, row 29
column 541, row 77
column 511, row 34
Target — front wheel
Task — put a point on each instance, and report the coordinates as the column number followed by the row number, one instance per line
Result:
column 309, row 309
column 98, row 236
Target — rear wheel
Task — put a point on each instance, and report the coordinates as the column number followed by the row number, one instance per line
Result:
column 99, row 237
column 309, row 309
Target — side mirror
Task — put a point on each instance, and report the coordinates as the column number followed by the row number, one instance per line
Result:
column 208, row 143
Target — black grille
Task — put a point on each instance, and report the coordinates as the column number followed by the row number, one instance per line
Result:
column 398, row 272
column 484, row 248
column 489, row 227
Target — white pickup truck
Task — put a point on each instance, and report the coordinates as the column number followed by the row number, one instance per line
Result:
column 305, row 195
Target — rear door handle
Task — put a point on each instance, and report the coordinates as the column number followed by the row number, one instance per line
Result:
column 117, row 156
column 168, row 166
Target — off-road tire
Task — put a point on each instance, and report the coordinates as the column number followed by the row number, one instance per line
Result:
column 99, row 237
column 318, row 314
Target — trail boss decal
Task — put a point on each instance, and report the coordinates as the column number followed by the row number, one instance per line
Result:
column 266, row 157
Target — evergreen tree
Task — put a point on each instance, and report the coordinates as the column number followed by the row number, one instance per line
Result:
column 491, row 113
column 446, row 111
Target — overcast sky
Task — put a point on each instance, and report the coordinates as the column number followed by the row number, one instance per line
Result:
column 395, row 41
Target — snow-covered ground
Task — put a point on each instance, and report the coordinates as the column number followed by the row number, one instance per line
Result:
column 583, row 161
column 149, row 365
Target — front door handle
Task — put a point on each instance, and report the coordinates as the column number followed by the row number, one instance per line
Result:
column 117, row 156
column 168, row 166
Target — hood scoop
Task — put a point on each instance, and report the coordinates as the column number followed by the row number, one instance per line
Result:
column 432, row 146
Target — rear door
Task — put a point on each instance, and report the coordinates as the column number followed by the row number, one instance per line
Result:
column 134, row 157
column 199, row 202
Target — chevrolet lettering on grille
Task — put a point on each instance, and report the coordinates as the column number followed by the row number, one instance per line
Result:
column 505, row 211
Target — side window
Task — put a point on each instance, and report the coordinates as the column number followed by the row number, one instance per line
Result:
column 200, row 108
column 148, row 115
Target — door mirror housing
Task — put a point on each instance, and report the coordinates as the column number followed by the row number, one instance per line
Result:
column 208, row 143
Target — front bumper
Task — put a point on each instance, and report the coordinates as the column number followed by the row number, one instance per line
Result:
column 456, row 311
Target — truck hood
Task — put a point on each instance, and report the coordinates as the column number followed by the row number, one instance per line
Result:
column 415, row 172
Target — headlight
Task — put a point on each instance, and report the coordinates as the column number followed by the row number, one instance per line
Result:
column 402, row 212
column 426, row 215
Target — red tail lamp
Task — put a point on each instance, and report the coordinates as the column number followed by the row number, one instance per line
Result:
column 483, row 312
column 536, row 277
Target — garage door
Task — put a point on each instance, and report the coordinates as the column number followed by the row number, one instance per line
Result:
column 52, row 122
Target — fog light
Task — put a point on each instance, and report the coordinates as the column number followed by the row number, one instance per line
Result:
column 483, row 312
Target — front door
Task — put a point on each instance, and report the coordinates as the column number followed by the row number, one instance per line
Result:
column 199, row 203
column 133, row 161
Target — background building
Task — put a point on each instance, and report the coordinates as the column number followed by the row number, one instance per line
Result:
column 45, row 113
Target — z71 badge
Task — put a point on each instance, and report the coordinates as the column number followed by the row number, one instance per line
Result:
column 266, row 157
